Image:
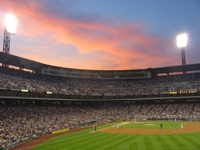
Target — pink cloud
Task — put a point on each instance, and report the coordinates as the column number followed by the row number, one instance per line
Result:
column 124, row 46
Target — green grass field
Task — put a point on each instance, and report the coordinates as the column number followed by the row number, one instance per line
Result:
column 88, row 140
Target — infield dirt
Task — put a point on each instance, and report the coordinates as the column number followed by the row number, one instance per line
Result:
column 188, row 128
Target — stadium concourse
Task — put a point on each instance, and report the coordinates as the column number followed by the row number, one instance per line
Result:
column 27, row 111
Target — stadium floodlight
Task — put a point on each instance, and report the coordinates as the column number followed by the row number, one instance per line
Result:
column 10, row 22
column 181, row 42
column 10, row 26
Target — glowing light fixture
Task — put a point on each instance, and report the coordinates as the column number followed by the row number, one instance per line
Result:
column 181, row 40
column 10, row 22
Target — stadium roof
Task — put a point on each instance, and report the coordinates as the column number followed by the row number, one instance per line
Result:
column 34, row 65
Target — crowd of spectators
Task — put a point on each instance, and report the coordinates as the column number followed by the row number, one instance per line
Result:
column 166, row 111
column 22, row 120
column 16, row 79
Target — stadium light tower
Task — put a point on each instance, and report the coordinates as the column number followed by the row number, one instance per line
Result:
column 181, row 42
column 10, row 25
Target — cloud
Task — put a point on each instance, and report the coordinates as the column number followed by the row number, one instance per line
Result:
column 113, row 44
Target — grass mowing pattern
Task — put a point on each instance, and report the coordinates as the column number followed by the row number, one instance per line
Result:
column 87, row 140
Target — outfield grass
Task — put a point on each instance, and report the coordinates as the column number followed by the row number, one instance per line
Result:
column 88, row 140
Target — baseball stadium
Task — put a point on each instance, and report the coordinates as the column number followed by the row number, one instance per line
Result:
column 46, row 106
column 51, row 107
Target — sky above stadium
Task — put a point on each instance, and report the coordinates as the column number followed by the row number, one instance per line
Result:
column 104, row 34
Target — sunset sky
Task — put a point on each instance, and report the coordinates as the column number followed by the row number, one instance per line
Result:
column 104, row 34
